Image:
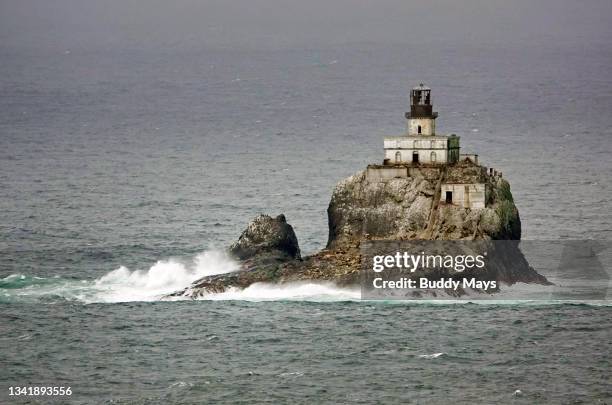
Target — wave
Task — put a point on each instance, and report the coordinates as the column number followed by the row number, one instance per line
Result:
column 120, row 285
column 162, row 278
column 297, row 291
column 431, row 356
column 168, row 276
column 16, row 281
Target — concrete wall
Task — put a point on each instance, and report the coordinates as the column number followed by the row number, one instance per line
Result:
column 428, row 126
column 425, row 155
column 471, row 156
column 465, row 195
column 446, row 148
column 385, row 173
column 416, row 142
column 423, row 145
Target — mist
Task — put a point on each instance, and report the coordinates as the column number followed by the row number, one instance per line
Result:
column 280, row 24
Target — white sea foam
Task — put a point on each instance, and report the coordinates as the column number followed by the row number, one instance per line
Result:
column 298, row 291
column 431, row 356
column 167, row 276
column 122, row 284
column 162, row 278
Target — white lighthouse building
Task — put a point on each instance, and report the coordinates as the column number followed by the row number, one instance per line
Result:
column 420, row 151
column 420, row 144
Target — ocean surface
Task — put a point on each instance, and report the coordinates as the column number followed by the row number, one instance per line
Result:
column 125, row 170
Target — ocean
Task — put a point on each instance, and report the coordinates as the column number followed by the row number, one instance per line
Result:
column 127, row 169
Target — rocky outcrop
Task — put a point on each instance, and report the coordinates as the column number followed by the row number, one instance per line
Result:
column 267, row 237
column 410, row 208
column 364, row 209
column 268, row 251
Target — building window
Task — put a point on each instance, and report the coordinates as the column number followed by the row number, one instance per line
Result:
column 433, row 157
column 398, row 157
column 419, row 129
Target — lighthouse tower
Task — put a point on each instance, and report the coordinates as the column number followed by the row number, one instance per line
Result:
column 420, row 145
column 421, row 118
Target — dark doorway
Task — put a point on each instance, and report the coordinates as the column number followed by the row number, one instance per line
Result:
column 419, row 129
column 449, row 197
column 415, row 157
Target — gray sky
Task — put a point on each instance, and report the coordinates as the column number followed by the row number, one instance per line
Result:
column 273, row 24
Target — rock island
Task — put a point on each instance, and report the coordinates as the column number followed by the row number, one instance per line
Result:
column 424, row 190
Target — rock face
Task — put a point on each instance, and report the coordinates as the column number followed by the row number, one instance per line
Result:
column 268, row 237
column 263, row 248
column 410, row 208
column 395, row 209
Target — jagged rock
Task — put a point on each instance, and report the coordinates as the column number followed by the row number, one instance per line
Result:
column 404, row 208
column 265, row 235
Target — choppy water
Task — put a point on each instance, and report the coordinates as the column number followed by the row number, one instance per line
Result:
column 236, row 351
column 126, row 167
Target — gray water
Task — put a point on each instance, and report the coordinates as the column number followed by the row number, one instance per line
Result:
column 137, row 141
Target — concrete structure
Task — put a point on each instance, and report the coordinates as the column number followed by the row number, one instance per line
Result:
column 472, row 157
column 421, row 150
column 464, row 195
column 379, row 173
column 420, row 144
column 430, row 149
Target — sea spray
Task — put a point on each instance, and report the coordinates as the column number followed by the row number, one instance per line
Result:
column 296, row 291
column 162, row 278
column 122, row 284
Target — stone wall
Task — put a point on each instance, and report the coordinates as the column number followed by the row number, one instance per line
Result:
column 383, row 173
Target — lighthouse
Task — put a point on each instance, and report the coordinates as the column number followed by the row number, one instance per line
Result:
column 420, row 145
column 421, row 118
column 421, row 152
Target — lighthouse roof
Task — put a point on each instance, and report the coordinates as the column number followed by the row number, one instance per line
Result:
column 421, row 87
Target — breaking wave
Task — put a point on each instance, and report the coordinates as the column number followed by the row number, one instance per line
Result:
column 298, row 291
column 120, row 285
column 171, row 275
column 162, row 278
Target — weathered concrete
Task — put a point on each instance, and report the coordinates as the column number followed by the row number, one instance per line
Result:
column 472, row 157
column 428, row 126
column 435, row 149
column 465, row 195
column 383, row 173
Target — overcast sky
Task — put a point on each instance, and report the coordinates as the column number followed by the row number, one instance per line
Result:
column 274, row 24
